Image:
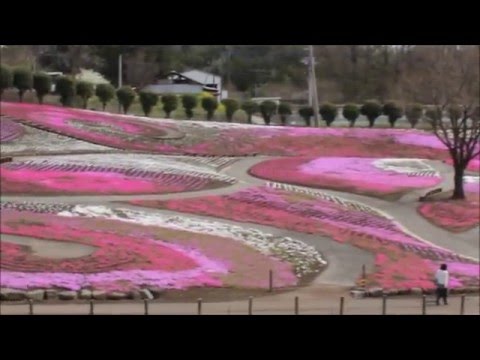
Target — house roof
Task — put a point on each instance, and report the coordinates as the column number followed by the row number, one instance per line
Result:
column 202, row 77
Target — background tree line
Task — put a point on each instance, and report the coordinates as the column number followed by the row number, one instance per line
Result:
column 345, row 73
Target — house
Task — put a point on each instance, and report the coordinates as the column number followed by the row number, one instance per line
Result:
column 259, row 100
column 189, row 82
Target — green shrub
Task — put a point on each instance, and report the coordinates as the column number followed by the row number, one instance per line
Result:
column 268, row 109
column 328, row 112
column 105, row 93
column 65, row 87
column 23, row 81
column 148, row 100
column 284, row 110
column 372, row 110
column 42, row 83
column 351, row 112
column 125, row 96
column 170, row 103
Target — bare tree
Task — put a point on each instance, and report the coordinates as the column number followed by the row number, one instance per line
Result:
column 455, row 90
column 460, row 134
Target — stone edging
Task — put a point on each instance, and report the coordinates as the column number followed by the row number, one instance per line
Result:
column 379, row 292
column 8, row 294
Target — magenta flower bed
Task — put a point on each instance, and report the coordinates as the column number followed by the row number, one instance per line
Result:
column 453, row 215
column 357, row 175
column 473, row 165
column 456, row 215
column 23, row 178
column 100, row 128
column 402, row 261
column 209, row 139
column 9, row 130
column 130, row 256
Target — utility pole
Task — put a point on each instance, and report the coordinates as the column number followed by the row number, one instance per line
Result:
column 120, row 71
column 313, row 85
column 120, row 79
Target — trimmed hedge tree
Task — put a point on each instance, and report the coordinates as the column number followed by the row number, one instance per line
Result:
column 393, row 111
column 105, row 93
column 6, row 78
column 65, row 87
column 23, row 81
column 284, row 110
column 328, row 112
column 372, row 110
column 209, row 104
column 148, row 100
column 414, row 113
column 351, row 112
column 85, row 91
column 250, row 107
column 231, row 105
column 268, row 108
column 306, row 113
column 125, row 96
column 189, row 102
column 42, row 83
column 170, row 103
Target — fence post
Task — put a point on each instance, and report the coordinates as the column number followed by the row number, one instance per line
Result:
column 462, row 305
column 296, row 305
column 199, row 306
column 270, row 281
column 342, row 301
column 250, row 305
column 145, row 303
column 364, row 272
column 424, row 305
column 384, row 305
column 30, row 306
column 91, row 308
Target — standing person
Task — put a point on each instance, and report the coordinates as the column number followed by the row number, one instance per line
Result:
column 441, row 280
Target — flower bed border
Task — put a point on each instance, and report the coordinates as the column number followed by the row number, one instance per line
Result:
column 156, row 293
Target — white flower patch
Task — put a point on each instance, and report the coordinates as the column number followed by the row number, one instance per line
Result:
column 38, row 141
column 411, row 167
column 215, row 162
column 112, row 162
column 471, row 179
column 219, row 125
column 303, row 257
column 348, row 204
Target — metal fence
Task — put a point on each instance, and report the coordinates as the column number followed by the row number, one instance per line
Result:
column 344, row 305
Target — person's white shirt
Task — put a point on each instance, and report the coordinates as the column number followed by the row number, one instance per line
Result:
column 442, row 277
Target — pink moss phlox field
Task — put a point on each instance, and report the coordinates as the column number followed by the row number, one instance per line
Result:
column 402, row 261
column 9, row 130
column 100, row 128
column 473, row 165
column 128, row 132
column 17, row 178
column 453, row 215
column 133, row 260
column 358, row 174
column 456, row 215
column 130, row 256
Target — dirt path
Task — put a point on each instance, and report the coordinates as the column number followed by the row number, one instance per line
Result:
column 50, row 249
